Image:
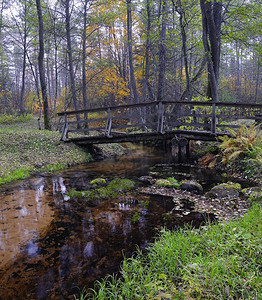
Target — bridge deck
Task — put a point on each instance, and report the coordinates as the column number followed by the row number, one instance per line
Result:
column 157, row 121
column 138, row 137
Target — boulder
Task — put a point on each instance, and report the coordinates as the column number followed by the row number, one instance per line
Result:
column 191, row 186
column 225, row 190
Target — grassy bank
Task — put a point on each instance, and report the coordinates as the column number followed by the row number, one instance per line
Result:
column 25, row 150
column 221, row 261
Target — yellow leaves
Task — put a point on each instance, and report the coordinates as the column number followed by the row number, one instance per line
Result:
column 108, row 84
column 113, row 84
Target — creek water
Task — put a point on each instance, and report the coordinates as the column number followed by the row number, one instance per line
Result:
column 51, row 246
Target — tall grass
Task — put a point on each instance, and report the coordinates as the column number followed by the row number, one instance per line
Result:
column 222, row 261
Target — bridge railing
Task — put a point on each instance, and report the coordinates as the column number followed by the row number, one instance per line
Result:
column 159, row 117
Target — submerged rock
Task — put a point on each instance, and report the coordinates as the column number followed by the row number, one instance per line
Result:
column 229, row 190
column 191, row 186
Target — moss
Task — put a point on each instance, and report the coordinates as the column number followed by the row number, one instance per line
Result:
column 228, row 189
column 105, row 192
column 113, row 189
column 231, row 185
column 145, row 204
column 169, row 183
column 121, row 185
column 135, row 217
column 98, row 181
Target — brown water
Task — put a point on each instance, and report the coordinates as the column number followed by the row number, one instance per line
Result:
column 51, row 245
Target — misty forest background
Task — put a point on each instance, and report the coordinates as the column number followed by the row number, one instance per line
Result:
column 80, row 54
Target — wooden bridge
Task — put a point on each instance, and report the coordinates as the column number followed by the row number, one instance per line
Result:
column 156, row 121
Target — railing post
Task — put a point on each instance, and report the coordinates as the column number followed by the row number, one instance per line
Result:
column 213, row 119
column 64, row 134
column 108, row 123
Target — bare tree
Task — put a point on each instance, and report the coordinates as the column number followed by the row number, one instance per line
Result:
column 70, row 59
column 41, row 65
column 162, row 52
column 130, row 51
column 211, row 22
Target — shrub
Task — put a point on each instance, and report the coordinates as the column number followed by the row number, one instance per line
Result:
column 8, row 119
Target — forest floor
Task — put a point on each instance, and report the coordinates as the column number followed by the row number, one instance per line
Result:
column 26, row 150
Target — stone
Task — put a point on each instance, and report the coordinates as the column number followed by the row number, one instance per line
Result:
column 191, row 186
column 228, row 190
column 147, row 179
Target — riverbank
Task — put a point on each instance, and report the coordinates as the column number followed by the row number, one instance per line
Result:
column 25, row 150
column 221, row 261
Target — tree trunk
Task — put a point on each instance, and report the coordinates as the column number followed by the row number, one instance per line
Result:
column 22, row 102
column 211, row 22
column 162, row 53
column 130, row 52
column 70, row 60
column 148, row 87
column 187, row 94
column 84, row 86
column 41, row 65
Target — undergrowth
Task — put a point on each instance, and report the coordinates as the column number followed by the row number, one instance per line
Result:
column 8, row 119
column 222, row 261
column 243, row 150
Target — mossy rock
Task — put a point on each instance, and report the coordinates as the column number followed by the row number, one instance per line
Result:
column 121, row 185
column 229, row 190
column 113, row 189
column 253, row 192
column 191, row 186
column 98, row 181
column 168, row 183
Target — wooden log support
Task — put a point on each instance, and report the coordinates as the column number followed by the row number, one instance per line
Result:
column 180, row 149
column 183, row 149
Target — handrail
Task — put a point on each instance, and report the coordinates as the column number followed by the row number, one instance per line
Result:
column 161, row 119
column 194, row 103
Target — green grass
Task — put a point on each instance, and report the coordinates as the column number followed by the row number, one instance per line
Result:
column 25, row 150
column 222, row 261
column 18, row 174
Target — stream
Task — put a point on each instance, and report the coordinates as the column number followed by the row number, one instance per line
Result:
column 51, row 246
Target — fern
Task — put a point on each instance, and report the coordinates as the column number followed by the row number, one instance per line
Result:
column 245, row 142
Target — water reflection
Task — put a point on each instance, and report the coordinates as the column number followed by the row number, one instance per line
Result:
column 24, row 214
column 50, row 244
